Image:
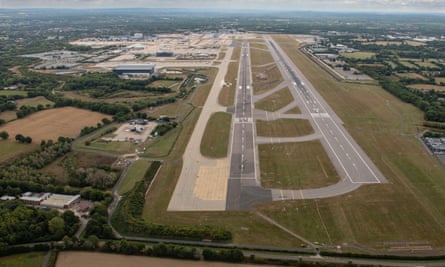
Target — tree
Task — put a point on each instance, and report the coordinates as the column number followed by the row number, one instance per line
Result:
column 56, row 226
column 20, row 138
column 4, row 135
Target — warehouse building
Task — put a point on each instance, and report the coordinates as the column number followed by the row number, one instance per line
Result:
column 135, row 69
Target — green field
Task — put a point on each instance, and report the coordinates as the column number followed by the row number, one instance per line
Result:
column 32, row 259
column 427, row 87
column 10, row 149
column 359, row 55
column 296, row 166
column 134, row 175
column 227, row 95
column 275, row 101
column 12, row 92
column 34, row 102
column 416, row 191
column 259, row 53
column 283, row 128
column 215, row 141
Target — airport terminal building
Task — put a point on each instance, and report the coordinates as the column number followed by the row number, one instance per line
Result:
column 135, row 69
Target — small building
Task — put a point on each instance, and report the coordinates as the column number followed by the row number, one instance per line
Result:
column 6, row 197
column 34, row 199
column 58, row 201
column 135, row 69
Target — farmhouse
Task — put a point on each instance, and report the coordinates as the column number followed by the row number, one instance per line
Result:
column 34, row 199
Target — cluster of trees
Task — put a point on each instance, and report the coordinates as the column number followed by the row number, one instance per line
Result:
column 163, row 128
column 25, row 167
column 229, row 255
column 98, row 224
column 27, row 110
column 4, row 135
column 89, row 129
column 8, row 103
column 23, row 224
column 23, row 139
column 107, row 83
column 128, row 217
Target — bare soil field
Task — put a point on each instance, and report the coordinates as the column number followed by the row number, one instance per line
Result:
column 52, row 123
column 86, row 259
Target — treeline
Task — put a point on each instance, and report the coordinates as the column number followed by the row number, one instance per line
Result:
column 426, row 101
column 105, row 84
column 227, row 255
column 24, row 224
column 164, row 128
column 128, row 217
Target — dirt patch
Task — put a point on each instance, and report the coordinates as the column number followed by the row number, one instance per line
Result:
column 52, row 123
column 87, row 259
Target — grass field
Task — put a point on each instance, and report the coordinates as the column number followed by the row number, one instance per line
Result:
column 296, row 166
column 52, row 123
column 416, row 191
column 408, row 64
column 259, row 53
column 275, row 101
column 10, row 148
column 112, row 147
column 34, row 102
column 32, row 259
column 13, row 92
column 428, row 64
column 215, row 141
column 8, row 115
column 295, row 110
column 412, row 75
column 283, row 128
column 271, row 78
column 427, row 87
column 134, row 175
column 227, row 95
column 359, row 55
column 91, row 259
column 236, row 53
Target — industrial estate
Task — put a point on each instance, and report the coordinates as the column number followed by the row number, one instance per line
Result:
column 304, row 146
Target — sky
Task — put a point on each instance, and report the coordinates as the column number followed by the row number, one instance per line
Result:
column 315, row 5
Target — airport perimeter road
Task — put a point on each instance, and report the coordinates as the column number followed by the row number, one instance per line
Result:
column 351, row 162
column 244, row 187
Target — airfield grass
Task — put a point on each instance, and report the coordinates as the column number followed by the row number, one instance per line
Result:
column 215, row 141
column 34, row 102
column 259, row 53
column 134, row 175
column 32, row 259
column 283, row 128
column 275, row 101
column 295, row 110
column 13, row 92
column 236, row 53
column 296, row 166
column 409, row 208
column 10, row 149
column 221, row 56
column 227, row 95
column 273, row 78
column 359, row 55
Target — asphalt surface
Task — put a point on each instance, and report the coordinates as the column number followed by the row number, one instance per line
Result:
column 244, row 186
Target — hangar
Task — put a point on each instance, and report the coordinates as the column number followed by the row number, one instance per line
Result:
column 135, row 69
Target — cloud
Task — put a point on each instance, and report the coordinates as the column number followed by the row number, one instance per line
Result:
column 325, row 5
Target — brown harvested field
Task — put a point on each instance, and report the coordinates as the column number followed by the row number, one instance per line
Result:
column 296, row 166
column 415, row 43
column 275, row 101
column 427, row 87
column 284, row 128
column 440, row 80
column 87, row 259
column 52, row 123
